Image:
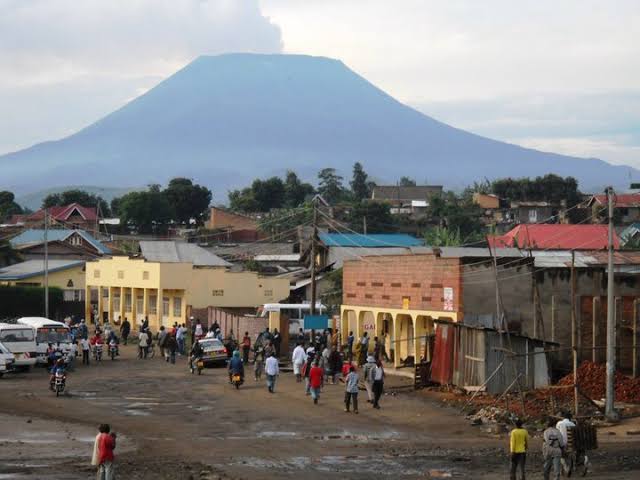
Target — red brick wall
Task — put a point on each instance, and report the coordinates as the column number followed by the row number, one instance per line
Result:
column 384, row 281
column 221, row 219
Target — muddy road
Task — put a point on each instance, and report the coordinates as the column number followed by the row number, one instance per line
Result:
column 174, row 425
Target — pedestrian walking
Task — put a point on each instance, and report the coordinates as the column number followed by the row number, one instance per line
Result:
column 180, row 338
column 552, row 446
column 171, row 347
column 143, row 344
column 277, row 341
column 301, row 337
column 272, row 369
column 297, row 359
column 86, row 348
column 335, row 363
column 350, row 340
column 103, row 456
column 351, row 390
column 162, row 341
column 326, row 364
column 378, row 383
column 562, row 426
column 316, row 380
column 518, row 446
column 125, row 330
column 258, row 362
column 246, row 347
column 311, row 355
column 363, row 343
column 367, row 373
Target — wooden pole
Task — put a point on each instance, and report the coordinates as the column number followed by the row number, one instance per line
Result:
column 634, row 327
column 595, row 315
column 553, row 318
column 574, row 342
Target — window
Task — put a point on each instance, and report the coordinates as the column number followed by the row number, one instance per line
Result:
column 73, row 295
column 127, row 302
column 153, row 302
column 177, row 306
column 96, row 273
column 75, row 240
column 145, row 275
column 268, row 293
column 105, row 293
column 217, row 293
column 139, row 304
column 165, row 306
column 533, row 215
column 17, row 335
column 116, row 303
column 120, row 274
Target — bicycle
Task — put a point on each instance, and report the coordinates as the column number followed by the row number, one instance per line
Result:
column 580, row 439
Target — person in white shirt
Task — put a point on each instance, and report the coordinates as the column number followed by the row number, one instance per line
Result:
column 84, row 342
column 297, row 359
column 562, row 426
column 377, row 375
column 272, row 369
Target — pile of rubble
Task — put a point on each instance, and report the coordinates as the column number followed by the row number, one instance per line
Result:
column 592, row 379
column 489, row 415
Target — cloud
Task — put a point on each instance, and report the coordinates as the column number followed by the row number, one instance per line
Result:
column 65, row 63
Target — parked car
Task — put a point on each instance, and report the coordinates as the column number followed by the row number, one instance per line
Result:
column 21, row 341
column 215, row 352
column 48, row 332
column 7, row 360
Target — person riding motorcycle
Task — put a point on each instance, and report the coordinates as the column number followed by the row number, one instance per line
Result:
column 236, row 367
column 58, row 368
column 195, row 354
column 114, row 341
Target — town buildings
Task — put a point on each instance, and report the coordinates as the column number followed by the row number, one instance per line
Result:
column 64, row 244
column 412, row 200
column 73, row 216
column 67, row 275
column 626, row 208
column 556, row 237
column 167, row 280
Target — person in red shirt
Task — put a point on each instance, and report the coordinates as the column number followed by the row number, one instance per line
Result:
column 105, row 445
column 316, row 377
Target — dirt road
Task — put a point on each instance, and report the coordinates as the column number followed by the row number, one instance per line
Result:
column 174, row 425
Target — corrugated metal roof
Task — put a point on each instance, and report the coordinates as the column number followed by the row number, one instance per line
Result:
column 180, row 252
column 292, row 257
column 369, row 241
column 33, row 268
column 36, row 236
column 460, row 252
column 556, row 236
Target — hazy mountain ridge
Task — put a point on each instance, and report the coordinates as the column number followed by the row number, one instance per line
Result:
column 227, row 119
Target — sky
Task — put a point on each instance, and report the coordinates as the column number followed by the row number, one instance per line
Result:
column 560, row 76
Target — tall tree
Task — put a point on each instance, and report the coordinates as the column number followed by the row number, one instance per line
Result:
column 190, row 201
column 295, row 191
column 378, row 217
column 359, row 184
column 8, row 205
column 330, row 185
column 149, row 212
column 77, row 196
column 407, row 182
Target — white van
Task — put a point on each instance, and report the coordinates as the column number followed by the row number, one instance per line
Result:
column 294, row 311
column 21, row 341
column 48, row 331
column 6, row 360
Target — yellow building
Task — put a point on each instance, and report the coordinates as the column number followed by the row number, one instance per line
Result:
column 67, row 275
column 169, row 277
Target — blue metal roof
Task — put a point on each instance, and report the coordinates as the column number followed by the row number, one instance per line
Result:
column 369, row 241
column 37, row 236
column 34, row 268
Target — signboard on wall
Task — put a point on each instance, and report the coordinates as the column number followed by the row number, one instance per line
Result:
column 316, row 322
column 448, row 299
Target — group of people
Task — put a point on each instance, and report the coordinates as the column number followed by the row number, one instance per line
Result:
column 321, row 363
column 171, row 341
column 554, row 444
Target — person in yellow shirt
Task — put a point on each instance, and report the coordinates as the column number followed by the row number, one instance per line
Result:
column 518, row 445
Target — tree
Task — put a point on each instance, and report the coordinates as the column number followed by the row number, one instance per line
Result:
column 189, row 201
column 443, row 237
column 330, row 185
column 243, row 200
column 295, row 191
column 407, row 182
column 77, row 196
column 459, row 215
column 359, row 184
column 8, row 206
column 378, row 215
column 149, row 212
column 261, row 196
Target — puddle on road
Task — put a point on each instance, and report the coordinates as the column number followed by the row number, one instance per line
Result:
column 388, row 465
column 131, row 412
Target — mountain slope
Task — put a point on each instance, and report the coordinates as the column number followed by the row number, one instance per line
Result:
column 227, row 119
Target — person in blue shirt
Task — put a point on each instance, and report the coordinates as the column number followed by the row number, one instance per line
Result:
column 58, row 368
column 236, row 367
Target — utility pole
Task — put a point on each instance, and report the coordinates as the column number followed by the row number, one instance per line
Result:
column 46, row 264
column 574, row 340
column 364, row 224
column 609, row 411
column 313, row 256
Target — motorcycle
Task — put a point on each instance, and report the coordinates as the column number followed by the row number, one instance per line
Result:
column 113, row 350
column 197, row 364
column 97, row 352
column 59, row 383
column 236, row 380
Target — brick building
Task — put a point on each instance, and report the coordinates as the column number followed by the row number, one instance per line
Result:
column 400, row 296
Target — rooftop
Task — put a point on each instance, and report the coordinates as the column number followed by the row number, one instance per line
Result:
column 396, row 192
column 376, row 240
column 180, row 252
column 62, row 213
column 622, row 200
column 34, row 268
column 36, row 236
column 556, row 237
